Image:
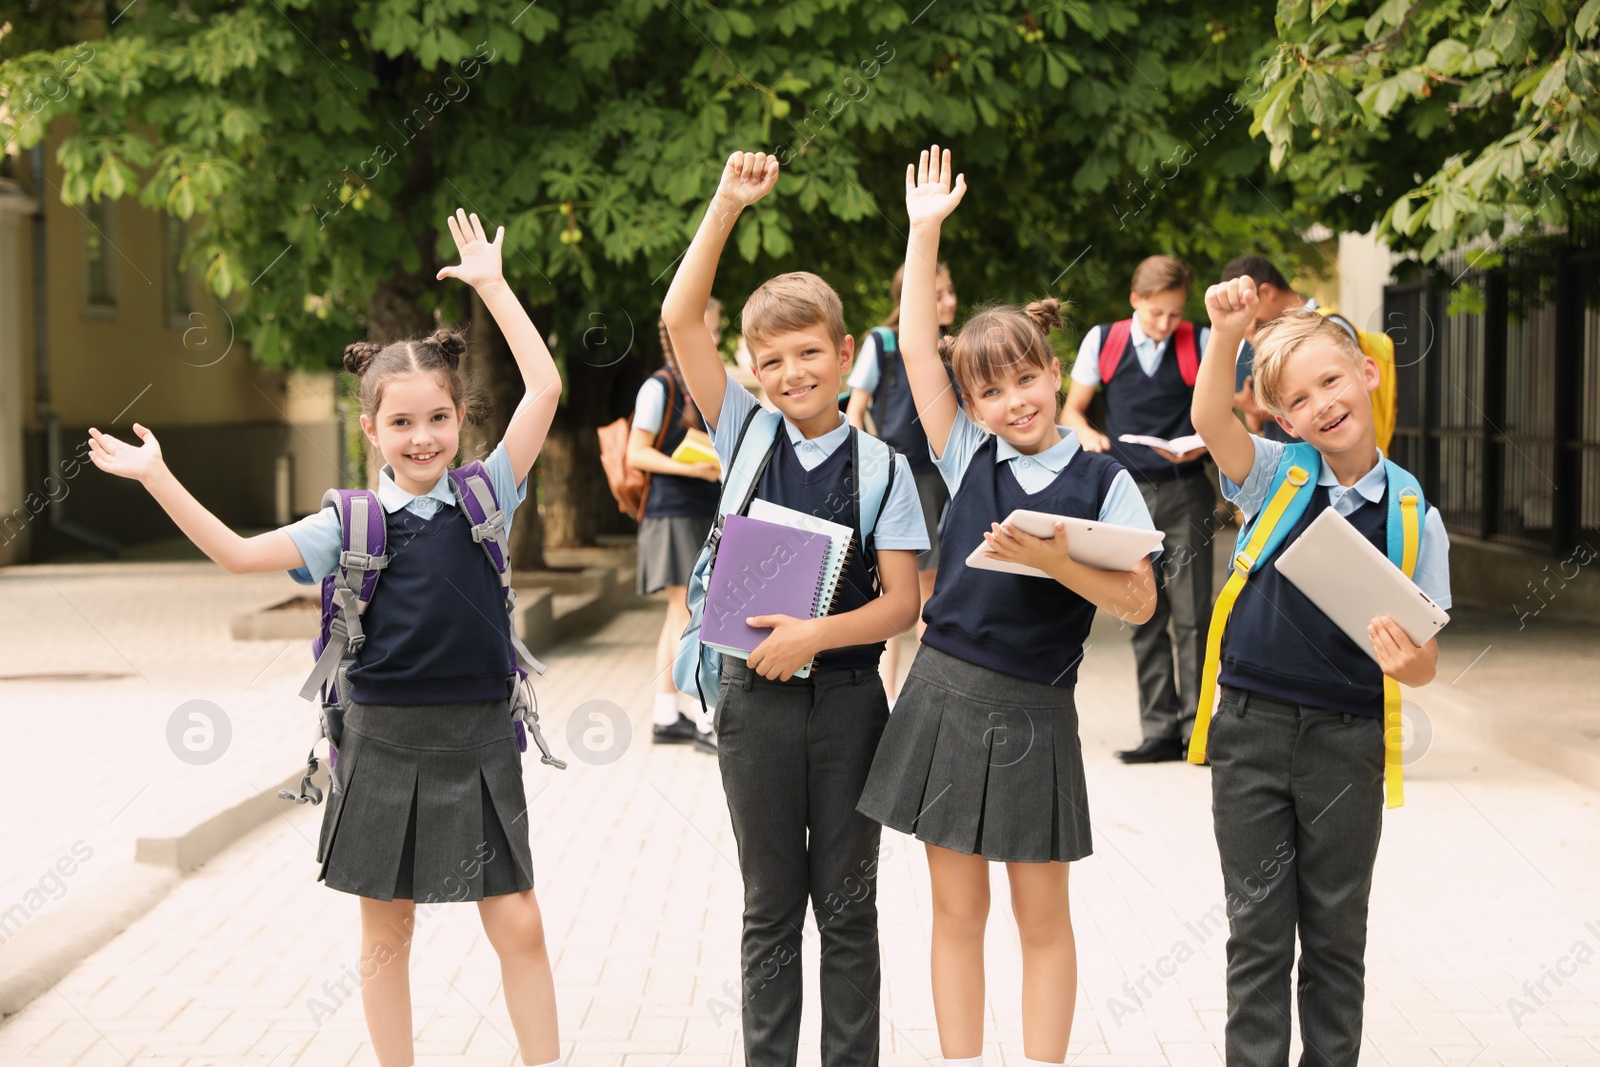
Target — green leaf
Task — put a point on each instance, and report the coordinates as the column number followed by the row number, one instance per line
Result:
column 1587, row 20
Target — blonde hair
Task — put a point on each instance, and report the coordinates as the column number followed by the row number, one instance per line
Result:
column 791, row 302
column 1283, row 337
column 997, row 339
column 1160, row 274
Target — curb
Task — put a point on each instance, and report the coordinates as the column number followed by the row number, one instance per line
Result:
column 48, row 948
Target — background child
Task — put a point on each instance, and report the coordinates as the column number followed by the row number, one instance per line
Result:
column 1147, row 393
column 1297, row 742
column 429, row 802
column 680, row 506
column 794, row 752
column 981, row 759
column 878, row 384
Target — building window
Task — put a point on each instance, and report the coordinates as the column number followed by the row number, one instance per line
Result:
column 179, row 280
column 100, row 292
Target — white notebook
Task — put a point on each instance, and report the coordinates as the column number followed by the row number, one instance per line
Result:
column 841, row 538
column 1177, row 446
column 1352, row 582
column 1102, row 545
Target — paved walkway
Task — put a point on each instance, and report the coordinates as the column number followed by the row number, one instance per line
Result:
column 1485, row 945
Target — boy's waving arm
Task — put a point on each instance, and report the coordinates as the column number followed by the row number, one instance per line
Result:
column 930, row 197
column 747, row 177
column 1232, row 305
column 480, row 268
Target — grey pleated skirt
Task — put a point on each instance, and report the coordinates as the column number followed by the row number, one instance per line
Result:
column 982, row 763
column 427, row 804
column 668, row 547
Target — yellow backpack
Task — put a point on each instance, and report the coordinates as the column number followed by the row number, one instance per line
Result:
column 1380, row 346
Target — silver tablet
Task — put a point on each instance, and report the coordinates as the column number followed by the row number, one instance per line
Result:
column 1101, row 545
column 1352, row 582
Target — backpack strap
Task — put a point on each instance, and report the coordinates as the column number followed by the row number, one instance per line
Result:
column 363, row 554
column 760, row 431
column 1188, row 352
column 1113, row 342
column 1287, row 500
column 1404, row 540
column 475, row 493
column 888, row 345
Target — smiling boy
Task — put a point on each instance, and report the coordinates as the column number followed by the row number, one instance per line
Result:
column 1299, row 745
column 794, row 752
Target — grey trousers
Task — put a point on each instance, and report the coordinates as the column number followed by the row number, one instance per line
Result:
column 1297, row 806
column 1181, row 508
column 794, row 758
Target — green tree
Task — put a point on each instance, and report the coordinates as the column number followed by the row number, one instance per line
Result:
column 317, row 144
column 1441, row 120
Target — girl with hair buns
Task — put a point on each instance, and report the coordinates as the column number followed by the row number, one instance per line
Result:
column 428, row 801
column 981, row 759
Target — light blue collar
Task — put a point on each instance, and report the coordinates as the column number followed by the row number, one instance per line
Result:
column 1370, row 485
column 1138, row 335
column 393, row 498
column 827, row 442
column 1052, row 459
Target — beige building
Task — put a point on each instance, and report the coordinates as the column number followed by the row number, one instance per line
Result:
column 102, row 325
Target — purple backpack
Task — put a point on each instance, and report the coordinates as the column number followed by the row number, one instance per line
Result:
column 349, row 588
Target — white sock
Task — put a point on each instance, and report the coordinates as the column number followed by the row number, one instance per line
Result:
column 971, row 1061
column 1039, row 1063
column 553, row 1063
column 666, row 709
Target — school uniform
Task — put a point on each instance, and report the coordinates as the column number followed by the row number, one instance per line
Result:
column 678, row 511
column 427, row 799
column 1297, row 761
column 1147, row 395
column 982, row 754
column 894, row 412
column 793, row 757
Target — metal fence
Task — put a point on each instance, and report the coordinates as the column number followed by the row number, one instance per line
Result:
column 1499, row 406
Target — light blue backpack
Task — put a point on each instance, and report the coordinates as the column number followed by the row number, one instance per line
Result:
column 698, row 669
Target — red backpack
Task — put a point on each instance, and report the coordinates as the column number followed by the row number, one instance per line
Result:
column 1115, row 342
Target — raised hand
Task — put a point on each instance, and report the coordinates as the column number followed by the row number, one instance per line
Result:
column 930, row 196
column 1232, row 305
column 122, row 459
column 480, row 257
column 747, row 178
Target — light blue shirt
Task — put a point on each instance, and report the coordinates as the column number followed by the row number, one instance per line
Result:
column 1123, row 506
column 900, row 524
column 1433, row 553
column 650, row 406
column 865, row 374
column 319, row 538
column 1086, row 368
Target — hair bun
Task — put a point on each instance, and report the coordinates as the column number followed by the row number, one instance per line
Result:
column 359, row 356
column 947, row 347
column 451, row 345
column 1046, row 314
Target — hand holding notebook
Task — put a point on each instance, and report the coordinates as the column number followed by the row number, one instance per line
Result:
column 695, row 448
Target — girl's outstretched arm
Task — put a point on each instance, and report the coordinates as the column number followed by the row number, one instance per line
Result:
column 480, row 268
column 274, row 551
column 930, row 197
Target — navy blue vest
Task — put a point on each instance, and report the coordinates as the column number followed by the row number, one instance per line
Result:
column 1020, row 625
column 1280, row 645
column 437, row 629
column 673, row 495
column 828, row 493
column 894, row 409
column 1155, row 405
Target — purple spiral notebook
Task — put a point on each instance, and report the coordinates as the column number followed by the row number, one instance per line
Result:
column 762, row 568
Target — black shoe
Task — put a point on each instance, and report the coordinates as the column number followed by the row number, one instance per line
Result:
column 704, row 742
column 1155, row 750
column 682, row 732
